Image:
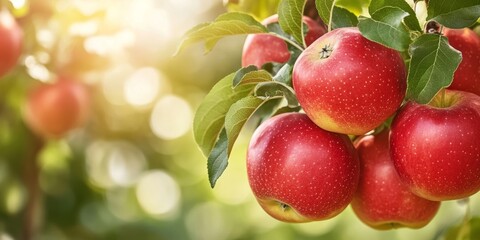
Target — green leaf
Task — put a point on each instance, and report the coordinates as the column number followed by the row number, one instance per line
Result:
column 227, row 24
column 290, row 13
column 386, row 27
column 261, row 9
column 284, row 75
column 324, row 8
column 454, row 14
column 355, row 6
column 269, row 90
column 251, row 75
column 218, row 160
column 343, row 18
column 210, row 116
column 238, row 115
column 432, row 67
column 286, row 109
column 411, row 20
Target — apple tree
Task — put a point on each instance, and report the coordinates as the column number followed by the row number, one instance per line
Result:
column 394, row 85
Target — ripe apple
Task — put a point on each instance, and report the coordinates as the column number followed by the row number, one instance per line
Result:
column 466, row 76
column 54, row 109
column 11, row 39
column 262, row 48
column 436, row 147
column 382, row 201
column 299, row 172
column 347, row 83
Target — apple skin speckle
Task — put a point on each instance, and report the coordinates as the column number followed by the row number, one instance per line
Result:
column 292, row 161
column 353, row 90
column 436, row 149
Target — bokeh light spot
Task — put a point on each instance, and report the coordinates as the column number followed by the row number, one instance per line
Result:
column 158, row 193
column 112, row 164
column 142, row 86
column 171, row 117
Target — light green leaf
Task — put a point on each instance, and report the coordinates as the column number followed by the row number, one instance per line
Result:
column 324, row 8
column 284, row 75
column 386, row 27
column 355, row 6
column 251, row 75
column 411, row 20
column 227, row 24
column 210, row 116
column 218, row 160
column 238, row 115
column 286, row 109
column 268, row 90
column 343, row 18
column 432, row 67
column 290, row 13
column 261, row 9
column 454, row 14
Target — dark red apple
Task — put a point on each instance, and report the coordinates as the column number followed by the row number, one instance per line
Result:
column 466, row 77
column 11, row 39
column 347, row 83
column 54, row 109
column 299, row 172
column 382, row 201
column 263, row 48
column 436, row 147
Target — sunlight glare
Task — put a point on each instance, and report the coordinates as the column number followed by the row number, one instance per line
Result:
column 158, row 193
column 171, row 117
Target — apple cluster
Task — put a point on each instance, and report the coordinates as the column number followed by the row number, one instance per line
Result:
column 310, row 166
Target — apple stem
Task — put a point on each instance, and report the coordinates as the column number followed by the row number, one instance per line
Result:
column 288, row 41
column 331, row 16
column 464, row 231
column 442, row 101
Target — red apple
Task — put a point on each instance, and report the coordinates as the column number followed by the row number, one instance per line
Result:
column 347, row 83
column 299, row 172
column 11, row 38
column 263, row 48
column 54, row 109
column 466, row 77
column 382, row 201
column 436, row 147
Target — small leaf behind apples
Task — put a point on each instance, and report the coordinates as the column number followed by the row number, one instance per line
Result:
column 228, row 24
column 386, row 27
column 454, row 14
column 210, row 116
column 324, row 8
column 411, row 20
column 251, row 75
column 290, row 13
column 269, row 90
column 343, row 18
column 286, row 109
column 284, row 75
column 218, row 160
column 355, row 6
column 238, row 115
column 431, row 68
column 260, row 9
